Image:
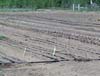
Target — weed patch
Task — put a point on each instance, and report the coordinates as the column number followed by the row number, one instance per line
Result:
column 2, row 37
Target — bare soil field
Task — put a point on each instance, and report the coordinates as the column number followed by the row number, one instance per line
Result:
column 31, row 38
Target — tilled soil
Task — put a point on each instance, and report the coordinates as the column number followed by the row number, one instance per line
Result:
column 32, row 37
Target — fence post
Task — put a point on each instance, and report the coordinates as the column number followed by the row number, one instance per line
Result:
column 73, row 7
column 91, row 2
column 78, row 7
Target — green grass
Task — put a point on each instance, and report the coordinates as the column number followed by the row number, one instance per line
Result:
column 33, row 5
column 15, row 9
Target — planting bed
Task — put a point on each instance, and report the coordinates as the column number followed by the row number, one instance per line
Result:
column 32, row 37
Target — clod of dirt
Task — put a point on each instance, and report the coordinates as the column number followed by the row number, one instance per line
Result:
column 98, row 19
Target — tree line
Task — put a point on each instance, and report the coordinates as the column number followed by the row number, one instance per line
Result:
column 42, row 3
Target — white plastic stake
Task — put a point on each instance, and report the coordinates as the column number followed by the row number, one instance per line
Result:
column 24, row 52
column 54, row 51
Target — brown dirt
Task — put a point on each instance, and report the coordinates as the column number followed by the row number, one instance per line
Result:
column 75, row 35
